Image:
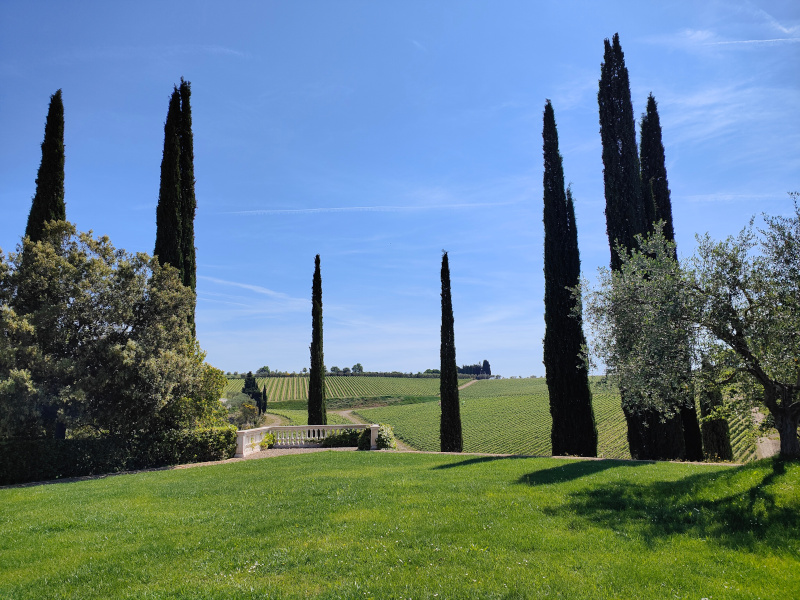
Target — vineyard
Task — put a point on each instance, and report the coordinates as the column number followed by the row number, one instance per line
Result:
column 300, row 417
column 515, row 423
column 282, row 389
column 507, row 416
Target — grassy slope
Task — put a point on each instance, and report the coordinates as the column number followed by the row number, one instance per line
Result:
column 509, row 416
column 383, row 525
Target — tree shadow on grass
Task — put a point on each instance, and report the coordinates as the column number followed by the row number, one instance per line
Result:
column 575, row 470
column 745, row 507
column 478, row 460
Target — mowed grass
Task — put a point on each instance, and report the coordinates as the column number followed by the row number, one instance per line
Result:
column 507, row 416
column 392, row 525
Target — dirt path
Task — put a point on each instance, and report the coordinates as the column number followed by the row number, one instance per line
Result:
column 469, row 383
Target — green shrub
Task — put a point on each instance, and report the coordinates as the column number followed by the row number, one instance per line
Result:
column 365, row 440
column 342, row 439
column 268, row 441
column 24, row 460
column 385, row 440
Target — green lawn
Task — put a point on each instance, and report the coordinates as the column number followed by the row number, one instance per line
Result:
column 391, row 525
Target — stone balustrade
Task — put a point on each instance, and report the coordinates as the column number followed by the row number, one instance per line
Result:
column 294, row 436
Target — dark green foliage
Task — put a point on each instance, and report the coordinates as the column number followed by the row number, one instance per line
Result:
column 627, row 217
column 658, row 207
column 342, row 439
column 625, row 214
column 655, row 187
column 264, row 399
column 716, row 435
column 486, row 369
column 316, row 383
column 251, row 389
column 450, row 425
column 574, row 431
column 23, row 460
column 169, row 215
column 188, row 200
column 48, row 202
column 176, row 199
column 365, row 440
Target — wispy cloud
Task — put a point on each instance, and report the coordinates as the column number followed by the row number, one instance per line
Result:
column 281, row 302
column 756, row 42
column 418, row 45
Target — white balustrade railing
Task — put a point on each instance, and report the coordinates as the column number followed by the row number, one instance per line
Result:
column 294, row 436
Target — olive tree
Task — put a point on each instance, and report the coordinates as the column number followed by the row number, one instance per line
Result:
column 740, row 296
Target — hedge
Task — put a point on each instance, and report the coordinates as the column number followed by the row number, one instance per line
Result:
column 26, row 460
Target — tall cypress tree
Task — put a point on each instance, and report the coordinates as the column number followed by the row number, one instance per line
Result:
column 655, row 192
column 169, row 214
column 188, row 200
column 450, row 439
column 626, row 216
column 317, row 414
column 573, row 431
column 48, row 202
column 655, row 188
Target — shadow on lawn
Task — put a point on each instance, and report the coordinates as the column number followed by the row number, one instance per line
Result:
column 755, row 504
column 575, row 470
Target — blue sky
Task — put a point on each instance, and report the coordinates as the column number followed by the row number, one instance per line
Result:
column 378, row 134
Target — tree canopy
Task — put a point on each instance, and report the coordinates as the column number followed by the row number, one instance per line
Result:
column 96, row 338
column 740, row 301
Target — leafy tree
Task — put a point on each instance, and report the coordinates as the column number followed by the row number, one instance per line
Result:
column 573, row 430
column 486, row 369
column 450, row 438
column 745, row 295
column 742, row 294
column 357, row 368
column 48, row 202
column 264, row 399
column 263, row 370
column 658, row 207
column 626, row 217
column 98, row 338
column 335, row 369
column 317, row 414
column 346, row 371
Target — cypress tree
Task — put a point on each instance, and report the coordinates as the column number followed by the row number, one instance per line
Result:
column 655, row 192
column 264, row 398
column 169, row 224
column 573, row 430
column 450, row 439
column 655, row 188
column 626, row 216
column 188, row 200
column 48, row 202
column 316, row 383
